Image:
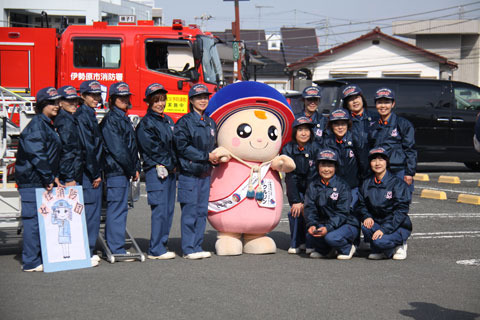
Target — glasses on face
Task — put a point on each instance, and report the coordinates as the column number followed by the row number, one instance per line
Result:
column 310, row 100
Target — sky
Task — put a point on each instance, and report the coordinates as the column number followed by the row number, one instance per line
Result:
column 336, row 21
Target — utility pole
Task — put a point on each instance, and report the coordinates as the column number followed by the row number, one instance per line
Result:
column 237, row 39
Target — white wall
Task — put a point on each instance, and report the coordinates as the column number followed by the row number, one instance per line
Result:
column 370, row 60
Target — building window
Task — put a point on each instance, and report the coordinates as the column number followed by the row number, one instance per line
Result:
column 96, row 53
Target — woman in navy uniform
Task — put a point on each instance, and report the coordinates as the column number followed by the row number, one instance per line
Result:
column 121, row 164
column 155, row 143
column 92, row 159
column 327, row 211
column 362, row 120
column 341, row 140
column 303, row 150
column 67, row 128
column 37, row 166
column 383, row 206
column 396, row 135
column 311, row 99
column 195, row 138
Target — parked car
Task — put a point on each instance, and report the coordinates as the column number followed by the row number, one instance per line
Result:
column 443, row 113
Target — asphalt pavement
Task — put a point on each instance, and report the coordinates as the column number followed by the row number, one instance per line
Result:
column 439, row 280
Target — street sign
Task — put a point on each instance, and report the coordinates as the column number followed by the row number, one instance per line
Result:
column 236, row 53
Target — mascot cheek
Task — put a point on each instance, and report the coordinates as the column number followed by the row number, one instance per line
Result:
column 235, row 142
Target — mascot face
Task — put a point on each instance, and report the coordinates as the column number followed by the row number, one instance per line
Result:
column 252, row 135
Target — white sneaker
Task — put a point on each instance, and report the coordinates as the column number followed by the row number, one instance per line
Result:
column 167, row 255
column 293, row 250
column 38, row 268
column 349, row 256
column 309, row 250
column 94, row 262
column 205, row 254
column 96, row 258
column 400, row 252
column 193, row 256
column 377, row 256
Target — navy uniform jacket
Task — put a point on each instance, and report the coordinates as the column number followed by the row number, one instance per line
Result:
column 397, row 137
column 297, row 181
column 155, row 141
column 387, row 203
column 361, row 125
column 38, row 154
column 319, row 131
column 91, row 141
column 194, row 140
column 329, row 205
column 348, row 167
column 121, row 153
column 71, row 154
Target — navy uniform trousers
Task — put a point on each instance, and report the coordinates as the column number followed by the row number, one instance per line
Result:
column 161, row 198
column 193, row 193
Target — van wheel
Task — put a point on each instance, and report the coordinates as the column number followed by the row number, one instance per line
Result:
column 475, row 166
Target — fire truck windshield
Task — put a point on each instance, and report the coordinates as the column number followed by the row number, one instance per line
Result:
column 212, row 67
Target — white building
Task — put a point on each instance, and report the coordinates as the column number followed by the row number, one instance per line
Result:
column 28, row 13
column 376, row 54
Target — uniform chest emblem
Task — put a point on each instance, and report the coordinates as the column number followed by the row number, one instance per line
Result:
column 350, row 154
column 310, row 163
column 394, row 132
column 334, row 196
column 318, row 132
column 172, row 127
column 212, row 132
column 388, row 195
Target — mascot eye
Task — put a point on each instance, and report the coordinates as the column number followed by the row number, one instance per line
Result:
column 244, row 130
column 273, row 133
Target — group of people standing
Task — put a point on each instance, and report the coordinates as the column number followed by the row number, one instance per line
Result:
column 354, row 170
column 64, row 145
column 354, row 174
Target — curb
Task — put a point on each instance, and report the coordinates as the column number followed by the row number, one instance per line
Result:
column 449, row 179
column 468, row 198
column 433, row 194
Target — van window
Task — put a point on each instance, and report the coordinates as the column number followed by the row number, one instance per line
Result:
column 467, row 97
column 421, row 95
column 96, row 53
column 169, row 56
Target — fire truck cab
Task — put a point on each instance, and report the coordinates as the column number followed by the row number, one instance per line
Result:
column 176, row 56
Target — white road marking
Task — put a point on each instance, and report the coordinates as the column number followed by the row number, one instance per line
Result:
column 444, row 215
column 471, row 262
column 446, row 235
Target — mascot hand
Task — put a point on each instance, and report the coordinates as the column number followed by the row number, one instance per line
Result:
column 223, row 154
column 283, row 163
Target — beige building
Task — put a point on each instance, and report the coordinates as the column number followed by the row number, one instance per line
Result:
column 457, row 40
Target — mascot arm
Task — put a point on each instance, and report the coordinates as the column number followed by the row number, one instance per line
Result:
column 223, row 154
column 283, row 163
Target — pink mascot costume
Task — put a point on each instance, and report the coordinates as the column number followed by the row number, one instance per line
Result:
column 246, row 197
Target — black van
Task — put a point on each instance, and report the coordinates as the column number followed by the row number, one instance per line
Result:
column 443, row 113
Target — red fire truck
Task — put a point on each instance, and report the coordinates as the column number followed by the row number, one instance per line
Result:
column 177, row 57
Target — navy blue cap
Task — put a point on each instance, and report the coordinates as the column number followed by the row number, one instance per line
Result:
column 338, row 114
column 377, row 151
column 68, row 92
column 119, row 89
column 154, row 88
column 90, row 86
column 198, row 89
column 327, row 155
column 351, row 90
column 311, row 92
column 48, row 93
column 384, row 93
column 303, row 121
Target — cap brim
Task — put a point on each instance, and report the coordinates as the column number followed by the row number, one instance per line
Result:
column 157, row 91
